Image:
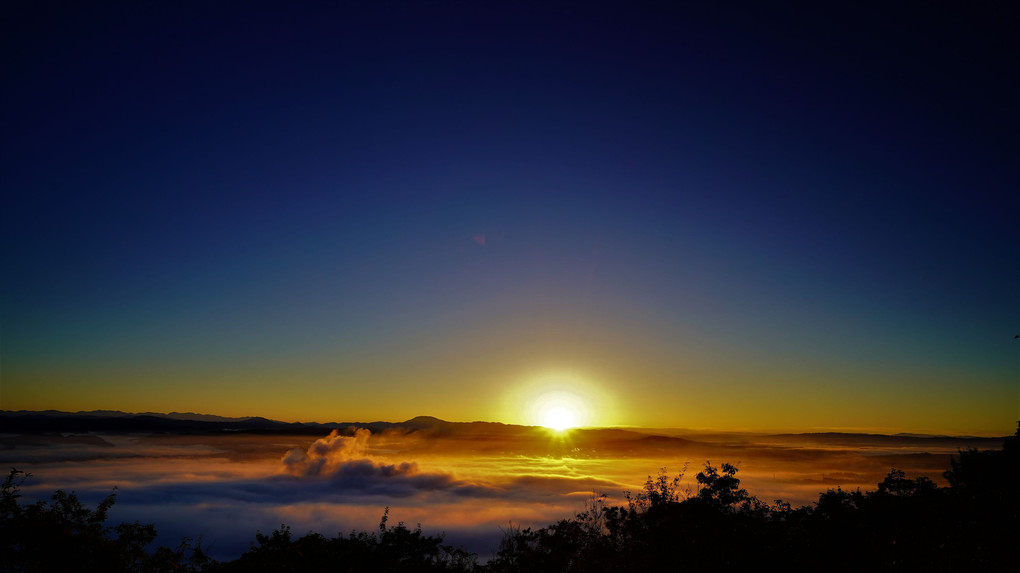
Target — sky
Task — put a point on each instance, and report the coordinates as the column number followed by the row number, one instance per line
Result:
column 697, row 215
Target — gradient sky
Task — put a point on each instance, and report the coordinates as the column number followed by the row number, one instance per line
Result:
column 687, row 214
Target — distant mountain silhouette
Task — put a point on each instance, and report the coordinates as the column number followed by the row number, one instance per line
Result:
column 859, row 439
column 51, row 421
column 120, row 414
column 471, row 435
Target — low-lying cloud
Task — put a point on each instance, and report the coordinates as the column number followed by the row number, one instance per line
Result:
column 342, row 462
column 327, row 455
column 470, row 481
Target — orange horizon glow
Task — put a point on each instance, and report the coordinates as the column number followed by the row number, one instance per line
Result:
column 522, row 398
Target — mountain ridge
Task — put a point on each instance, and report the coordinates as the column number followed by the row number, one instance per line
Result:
column 116, row 421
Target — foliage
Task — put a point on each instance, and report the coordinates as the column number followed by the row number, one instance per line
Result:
column 393, row 549
column 661, row 491
column 721, row 489
column 63, row 535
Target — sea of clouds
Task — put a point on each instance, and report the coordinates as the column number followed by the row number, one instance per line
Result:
column 224, row 488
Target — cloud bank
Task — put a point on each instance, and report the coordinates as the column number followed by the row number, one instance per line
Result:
column 467, row 480
column 341, row 464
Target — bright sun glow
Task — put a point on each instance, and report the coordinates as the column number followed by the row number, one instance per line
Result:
column 560, row 410
column 559, row 418
column 558, row 401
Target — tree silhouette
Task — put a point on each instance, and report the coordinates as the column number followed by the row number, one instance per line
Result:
column 722, row 489
column 63, row 535
column 393, row 549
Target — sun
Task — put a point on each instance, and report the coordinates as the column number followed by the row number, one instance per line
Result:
column 559, row 418
column 559, row 401
column 559, row 410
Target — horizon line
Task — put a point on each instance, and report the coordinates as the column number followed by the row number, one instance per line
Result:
column 873, row 430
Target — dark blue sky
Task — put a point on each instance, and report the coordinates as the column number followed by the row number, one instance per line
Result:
column 706, row 209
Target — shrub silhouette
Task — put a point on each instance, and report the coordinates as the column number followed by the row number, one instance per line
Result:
column 393, row 549
column 63, row 535
column 665, row 526
column 721, row 489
